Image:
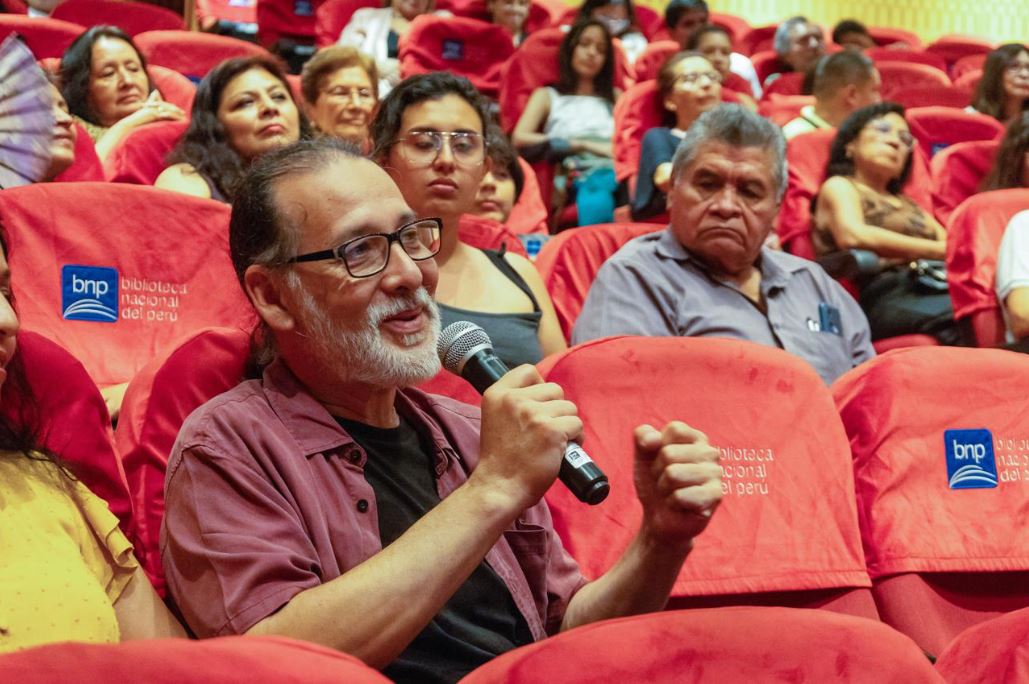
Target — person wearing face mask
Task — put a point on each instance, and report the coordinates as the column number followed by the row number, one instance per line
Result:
column 619, row 18
column 511, row 14
column 340, row 87
column 243, row 108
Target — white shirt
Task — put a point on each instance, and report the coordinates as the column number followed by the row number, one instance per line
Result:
column 741, row 65
column 1013, row 261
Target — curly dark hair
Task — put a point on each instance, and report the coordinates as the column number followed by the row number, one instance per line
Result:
column 841, row 165
column 205, row 145
column 1010, row 159
column 568, row 80
column 503, row 156
column 989, row 95
column 77, row 64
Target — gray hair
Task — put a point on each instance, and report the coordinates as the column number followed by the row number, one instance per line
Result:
column 736, row 126
column 783, row 33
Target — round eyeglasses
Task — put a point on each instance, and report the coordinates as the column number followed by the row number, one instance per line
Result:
column 368, row 255
column 693, row 80
column 424, row 147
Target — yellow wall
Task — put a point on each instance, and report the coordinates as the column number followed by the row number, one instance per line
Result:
column 996, row 20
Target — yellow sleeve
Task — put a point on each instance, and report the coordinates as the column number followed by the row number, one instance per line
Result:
column 107, row 551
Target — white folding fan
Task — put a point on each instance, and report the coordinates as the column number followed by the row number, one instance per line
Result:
column 26, row 116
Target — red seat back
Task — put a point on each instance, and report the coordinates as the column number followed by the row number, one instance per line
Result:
column 993, row 651
column 529, row 213
column 957, row 172
column 767, row 63
column 569, row 262
column 191, row 53
column 740, row 644
column 938, row 436
column 160, row 397
column 243, row 12
column 789, row 84
column 974, row 62
column 781, row 109
column 969, row 80
column 883, row 35
column 933, row 96
column 485, row 233
column 637, row 111
column 131, row 17
column 973, row 238
column 737, row 26
column 653, row 57
column 141, row 156
column 898, row 76
column 45, row 37
column 471, row 48
column 938, row 127
column 332, row 17
column 87, row 165
column 776, row 530
column 953, row 47
column 115, row 273
column 759, row 39
column 174, row 87
column 290, row 19
column 883, row 54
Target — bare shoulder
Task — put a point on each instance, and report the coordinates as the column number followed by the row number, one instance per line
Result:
column 525, row 268
column 183, row 178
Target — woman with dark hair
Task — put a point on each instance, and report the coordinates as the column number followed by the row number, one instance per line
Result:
column 502, row 185
column 688, row 85
column 429, row 135
column 1011, row 165
column 243, row 108
column 510, row 14
column 861, row 205
column 572, row 121
column 68, row 572
column 105, row 83
column 1003, row 91
column 619, row 18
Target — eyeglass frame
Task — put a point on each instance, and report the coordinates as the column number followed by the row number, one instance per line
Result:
column 449, row 136
column 1016, row 67
column 694, row 78
column 338, row 251
column 877, row 124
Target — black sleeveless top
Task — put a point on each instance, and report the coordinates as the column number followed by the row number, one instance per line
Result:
column 515, row 335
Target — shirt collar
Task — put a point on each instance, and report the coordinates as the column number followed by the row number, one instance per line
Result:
column 773, row 273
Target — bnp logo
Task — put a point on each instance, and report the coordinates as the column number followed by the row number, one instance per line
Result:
column 89, row 293
column 970, row 462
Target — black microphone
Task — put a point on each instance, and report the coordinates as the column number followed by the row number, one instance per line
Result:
column 466, row 350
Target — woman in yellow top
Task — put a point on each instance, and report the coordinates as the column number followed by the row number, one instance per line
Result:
column 67, row 572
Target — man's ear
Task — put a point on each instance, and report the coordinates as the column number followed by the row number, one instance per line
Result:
column 266, row 291
column 669, row 104
column 848, row 95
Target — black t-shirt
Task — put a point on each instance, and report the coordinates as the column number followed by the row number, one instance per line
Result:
column 481, row 620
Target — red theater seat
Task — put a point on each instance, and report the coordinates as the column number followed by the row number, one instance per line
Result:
column 654, row 56
column 286, row 20
column 115, row 273
column 767, row 63
column 529, row 213
column 131, row 17
column 738, row 27
column 569, row 262
column 953, row 47
column 968, row 63
column 191, row 53
column 973, row 238
column 899, row 76
column 933, row 96
column 957, row 173
column 937, row 127
column 141, row 156
column 471, row 48
column 241, row 13
column 332, row 17
column 786, row 532
column 485, row 233
column 883, row 54
column 228, row 660
column 789, row 84
column 969, row 80
column 993, row 651
column 87, row 166
column 740, row 644
column 14, row 6
column 883, row 35
column 45, row 37
column 938, row 436
column 759, row 39
column 781, row 109
column 174, row 87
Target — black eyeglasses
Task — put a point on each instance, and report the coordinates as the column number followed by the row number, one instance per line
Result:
column 367, row 255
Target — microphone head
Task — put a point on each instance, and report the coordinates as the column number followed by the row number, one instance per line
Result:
column 458, row 342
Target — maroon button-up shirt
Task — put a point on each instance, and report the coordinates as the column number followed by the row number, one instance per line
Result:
column 266, row 496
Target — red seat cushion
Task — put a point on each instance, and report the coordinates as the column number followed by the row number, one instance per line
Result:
column 45, row 37
column 957, row 172
column 141, row 156
column 191, row 53
column 899, row 76
column 471, row 48
column 131, row 17
column 994, row 651
column 883, row 35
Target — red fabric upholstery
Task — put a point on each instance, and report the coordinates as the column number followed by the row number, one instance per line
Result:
column 543, row 14
column 883, row 35
column 139, row 158
column 994, row 651
column 654, row 56
column 953, row 47
column 228, row 660
column 778, row 529
column 884, row 54
column 174, row 87
column 333, row 16
column 759, row 39
column 529, row 213
column 767, row 63
column 650, row 22
column 957, row 172
column 87, row 166
column 192, row 53
column 896, row 409
column 968, row 63
column 232, row 11
column 475, row 9
column 973, row 238
column 790, row 83
column 569, row 262
column 14, row 6
column 169, row 253
column 72, row 418
column 969, row 80
column 278, row 19
column 781, row 109
column 466, row 47
column 738, row 27
column 45, row 37
column 898, row 76
column 159, row 398
column 486, row 233
column 131, row 17
column 637, row 111
column 903, row 341
column 742, row 644
column 933, row 96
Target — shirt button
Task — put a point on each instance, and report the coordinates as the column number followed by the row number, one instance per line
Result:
column 362, row 506
column 353, row 455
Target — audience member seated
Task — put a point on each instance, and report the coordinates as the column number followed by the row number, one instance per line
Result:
column 243, row 108
column 429, row 136
column 843, row 83
column 105, row 83
column 444, row 554
column 683, row 18
column 341, row 90
column 62, row 149
column 852, row 35
column 688, row 85
column 511, row 14
column 572, row 122
column 1013, row 280
column 504, row 180
column 708, row 275
column 619, row 17
column 715, row 44
column 68, row 572
column 1003, row 90
column 861, row 206
column 1011, row 165
column 799, row 44
column 377, row 31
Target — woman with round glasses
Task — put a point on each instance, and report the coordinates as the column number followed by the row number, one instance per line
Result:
column 862, row 206
column 1003, row 91
column 429, row 136
column 688, row 85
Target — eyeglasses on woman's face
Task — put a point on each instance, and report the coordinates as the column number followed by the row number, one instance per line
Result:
column 424, row 147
